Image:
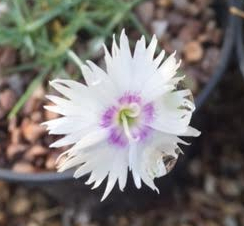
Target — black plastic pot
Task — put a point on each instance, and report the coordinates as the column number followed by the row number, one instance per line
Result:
column 63, row 187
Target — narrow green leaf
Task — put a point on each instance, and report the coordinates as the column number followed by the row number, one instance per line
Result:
column 33, row 85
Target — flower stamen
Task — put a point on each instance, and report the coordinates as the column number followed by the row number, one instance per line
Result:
column 127, row 129
column 127, row 116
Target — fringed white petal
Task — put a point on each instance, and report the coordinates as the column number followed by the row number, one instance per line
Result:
column 168, row 68
column 124, row 46
column 173, row 113
column 93, row 74
column 101, row 161
column 67, row 140
column 133, row 163
column 75, row 86
column 156, row 83
column 120, row 64
column 192, row 132
column 70, row 93
column 152, row 47
column 67, row 125
column 83, row 138
column 159, row 58
column 140, row 48
column 68, row 108
column 143, row 66
column 89, row 139
column 115, row 174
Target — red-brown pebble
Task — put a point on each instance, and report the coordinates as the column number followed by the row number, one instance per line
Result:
column 31, row 131
column 23, row 167
column 193, row 52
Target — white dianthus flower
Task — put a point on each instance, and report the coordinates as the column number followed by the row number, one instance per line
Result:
column 128, row 117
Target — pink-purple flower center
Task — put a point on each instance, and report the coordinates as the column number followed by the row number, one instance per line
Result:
column 130, row 116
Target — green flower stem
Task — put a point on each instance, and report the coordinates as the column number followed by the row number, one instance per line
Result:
column 75, row 58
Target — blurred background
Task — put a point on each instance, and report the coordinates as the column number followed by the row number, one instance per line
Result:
column 206, row 188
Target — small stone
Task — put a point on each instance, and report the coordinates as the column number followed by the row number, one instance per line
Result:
column 7, row 99
column 123, row 221
column 160, row 14
column 16, row 83
column 210, row 184
column 3, row 218
column 175, row 20
column 5, row 192
column 35, row 101
column 2, row 113
column 58, row 223
column 14, row 149
column 178, row 45
column 208, row 14
column 30, row 106
column 204, row 4
column 12, row 125
column 195, row 27
column 188, row 33
column 31, row 131
column 20, row 205
column 203, row 38
column 180, row 4
column 211, row 26
column 3, row 82
column 23, row 167
column 211, row 59
column 241, row 219
column 193, row 52
column 159, row 27
column 7, row 57
column 51, row 161
column 195, row 166
column 230, row 221
column 39, row 93
column 193, row 10
column 214, row 36
column 36, row 117
column 217, row 35
column 39, row 162
column 165, row 3
column 168, row 47
column 39, row 201
column 70, row 68
column 15, row 136
column 145, row 12
column 211, row 223
column 229, row 188
column 32, row 223
column 233, row 208
column 34, row 151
